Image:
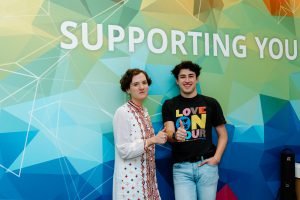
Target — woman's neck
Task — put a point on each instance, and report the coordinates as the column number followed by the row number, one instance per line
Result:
column 136, row 102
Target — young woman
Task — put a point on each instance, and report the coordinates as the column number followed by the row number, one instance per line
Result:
column 135, row 172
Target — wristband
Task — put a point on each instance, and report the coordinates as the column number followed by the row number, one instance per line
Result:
column 174, row 136
column 216, row 159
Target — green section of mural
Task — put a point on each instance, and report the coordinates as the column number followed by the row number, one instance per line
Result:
column 70, row 96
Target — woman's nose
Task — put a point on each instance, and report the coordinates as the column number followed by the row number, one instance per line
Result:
column 141, row 86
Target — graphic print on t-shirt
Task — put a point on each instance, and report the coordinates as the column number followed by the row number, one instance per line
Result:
column 194, row 121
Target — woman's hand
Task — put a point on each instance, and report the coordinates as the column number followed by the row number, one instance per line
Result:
column 160, row 138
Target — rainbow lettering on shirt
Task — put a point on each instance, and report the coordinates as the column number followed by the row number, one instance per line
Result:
column 194, row 121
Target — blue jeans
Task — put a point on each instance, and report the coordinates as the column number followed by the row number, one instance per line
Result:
column 192, row 182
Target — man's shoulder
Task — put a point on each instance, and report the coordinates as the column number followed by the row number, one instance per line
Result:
column 208, row 98
column 171, row 100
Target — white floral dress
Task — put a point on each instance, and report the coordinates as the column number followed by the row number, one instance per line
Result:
column 134, row 171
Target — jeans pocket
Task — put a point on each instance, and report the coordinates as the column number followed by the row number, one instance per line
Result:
column 210, row 174
column 176, row 166
column 211, row 165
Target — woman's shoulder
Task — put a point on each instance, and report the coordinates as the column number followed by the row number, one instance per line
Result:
column 122, row 110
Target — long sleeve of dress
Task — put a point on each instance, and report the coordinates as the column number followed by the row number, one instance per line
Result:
column 127, row 147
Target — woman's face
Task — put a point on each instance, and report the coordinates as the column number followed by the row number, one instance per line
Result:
column 138, row 89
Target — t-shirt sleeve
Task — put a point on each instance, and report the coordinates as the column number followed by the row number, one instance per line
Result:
column 166, row 111
column 217, row 116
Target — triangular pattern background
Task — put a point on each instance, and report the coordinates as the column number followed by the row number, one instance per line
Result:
column 56, row 105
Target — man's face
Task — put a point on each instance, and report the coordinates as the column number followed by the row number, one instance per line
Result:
column 187, row 81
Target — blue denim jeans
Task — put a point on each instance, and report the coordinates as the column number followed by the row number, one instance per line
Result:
column 192, row 182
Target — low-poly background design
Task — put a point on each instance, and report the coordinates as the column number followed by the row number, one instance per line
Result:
column 57, row 105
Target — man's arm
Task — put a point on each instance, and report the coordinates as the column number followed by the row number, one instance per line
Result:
column 222, row 141
column 170, row 129
column 180, row 134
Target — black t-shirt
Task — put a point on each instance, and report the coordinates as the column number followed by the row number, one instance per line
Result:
column 198, row 114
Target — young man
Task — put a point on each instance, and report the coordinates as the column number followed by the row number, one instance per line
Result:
column 189, row 119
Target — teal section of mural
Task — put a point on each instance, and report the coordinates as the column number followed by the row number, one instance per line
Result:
column 57, row 103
